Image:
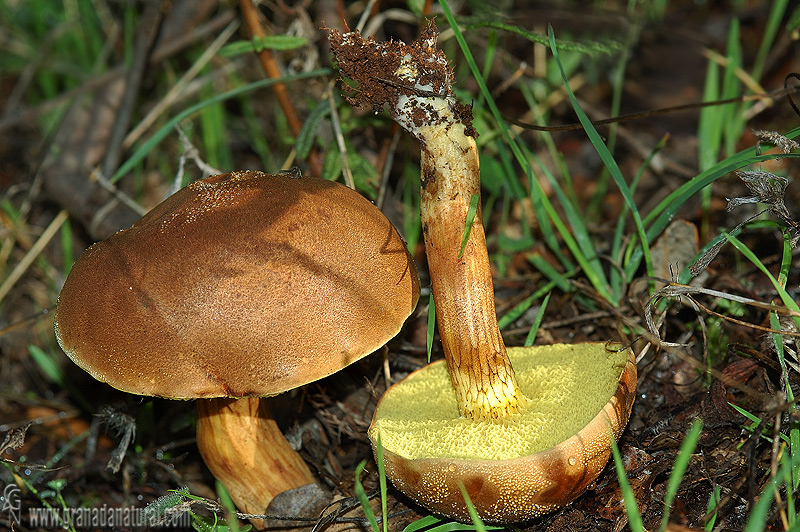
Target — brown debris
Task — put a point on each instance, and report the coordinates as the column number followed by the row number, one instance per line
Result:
column 374, row 65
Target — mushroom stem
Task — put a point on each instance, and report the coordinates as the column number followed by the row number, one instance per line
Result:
column 244, row 448
column 416, row 80
column 480, row 371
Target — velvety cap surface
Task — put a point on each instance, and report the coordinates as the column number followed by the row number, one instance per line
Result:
column 240, row 284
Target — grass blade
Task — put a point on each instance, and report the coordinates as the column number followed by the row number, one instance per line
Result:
column 628, row 497
column 537, row 321
column 551, row 273
column 382, row 483
column 773, row 24
column 422, row 524
column 757, row 520
column 657, row 219
column 711, row 509
column 471, row 211
column 168, row 128
column 431, row 325
column 305, row 139
column 268, row 42
column 608, row 160
column 785, row 297
column 519, row 309
column 479, row 526
column 363, row 499
column 679, row 468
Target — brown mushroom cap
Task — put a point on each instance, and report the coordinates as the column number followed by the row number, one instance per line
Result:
column 244, row 284
column 511, row 489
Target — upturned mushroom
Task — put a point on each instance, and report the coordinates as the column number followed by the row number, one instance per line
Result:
column 238, row 287
column 519, row 443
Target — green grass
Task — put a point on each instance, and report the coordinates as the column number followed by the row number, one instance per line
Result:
column 362, row 496
column 679, row 469
column 62, row 45
column 676, row 476
column 779, row 284
column 146, row 148
column 786, row 441
column 564, row 224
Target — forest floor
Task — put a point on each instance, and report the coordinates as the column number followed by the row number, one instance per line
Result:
column 66, row 109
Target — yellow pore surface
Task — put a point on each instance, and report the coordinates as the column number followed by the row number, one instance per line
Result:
column 566, row 386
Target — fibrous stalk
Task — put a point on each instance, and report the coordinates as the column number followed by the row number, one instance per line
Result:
column 416, row 82
column 244, row 448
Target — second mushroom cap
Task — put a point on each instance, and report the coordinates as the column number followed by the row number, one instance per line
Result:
column 245, row 284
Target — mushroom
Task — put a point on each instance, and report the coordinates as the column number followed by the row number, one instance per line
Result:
column 519, row 443
column 238, row 287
